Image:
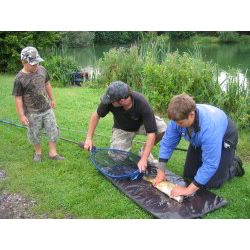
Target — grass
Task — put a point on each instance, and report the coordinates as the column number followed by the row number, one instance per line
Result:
column 74, row 188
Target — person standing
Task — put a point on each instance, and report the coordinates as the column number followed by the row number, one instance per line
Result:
column 34, row 102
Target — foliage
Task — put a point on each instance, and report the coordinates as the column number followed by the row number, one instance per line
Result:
column 123, row 64
column 154, row 48
column 181, row 35
column 77, row 39
column 121, row 37
column 235, row 99
column 228, row 36
column 244, row 38
column 160, row 75
column 202, row 39
column 176, row 74
column 60, row 68
column 11, row 44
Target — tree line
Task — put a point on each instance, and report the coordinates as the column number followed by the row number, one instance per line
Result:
column 12, row 42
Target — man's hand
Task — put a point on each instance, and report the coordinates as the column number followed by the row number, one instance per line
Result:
column 178, row 190
column 142, row 165
column 24, row 120
column 186, row 191
column 53, row 103
column 159, row 177
column 88, row 144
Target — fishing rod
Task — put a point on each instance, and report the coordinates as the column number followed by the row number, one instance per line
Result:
column 65, row 139
column 22, row 126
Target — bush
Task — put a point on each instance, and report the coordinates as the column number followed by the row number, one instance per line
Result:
column 228, row 37
column 159, row 79
column 121, row 37
column 180, row 73
column 121, row 64
column 244, row 38
column 235, row 99
column 11, row 44
column 181, row 35
column 60, row 68
column 160, row 75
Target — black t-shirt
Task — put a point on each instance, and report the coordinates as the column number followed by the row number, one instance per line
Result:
column 130, row 120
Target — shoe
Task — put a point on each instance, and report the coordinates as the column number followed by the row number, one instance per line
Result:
column 239, row 166
column 37, row 157
column 57, row 158
column 151, row 158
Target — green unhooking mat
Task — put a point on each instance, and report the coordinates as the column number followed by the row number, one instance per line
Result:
column 161, row 206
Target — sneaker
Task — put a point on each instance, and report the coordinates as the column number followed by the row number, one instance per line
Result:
column 151, row 158
column 57, row 158
column 239, row 166
column 37, row 157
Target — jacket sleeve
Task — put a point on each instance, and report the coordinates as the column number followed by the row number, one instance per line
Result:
column 169, row 141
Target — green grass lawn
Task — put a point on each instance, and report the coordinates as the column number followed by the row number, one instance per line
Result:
column 74, row 188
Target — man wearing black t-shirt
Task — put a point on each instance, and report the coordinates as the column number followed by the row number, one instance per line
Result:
column 132, row 115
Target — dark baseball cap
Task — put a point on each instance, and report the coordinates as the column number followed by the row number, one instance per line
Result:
column 31, row 56
column 116, row 90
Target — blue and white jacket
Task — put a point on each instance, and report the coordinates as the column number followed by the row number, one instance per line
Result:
column 209, row 129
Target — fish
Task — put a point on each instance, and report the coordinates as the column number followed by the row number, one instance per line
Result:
column 165, row 187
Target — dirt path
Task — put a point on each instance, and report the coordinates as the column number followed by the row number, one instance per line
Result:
column 15, row 206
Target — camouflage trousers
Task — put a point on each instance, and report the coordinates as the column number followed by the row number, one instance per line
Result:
column 122, row 139
column 46, row 121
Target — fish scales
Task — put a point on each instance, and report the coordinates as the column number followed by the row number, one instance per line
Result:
column 165, row 187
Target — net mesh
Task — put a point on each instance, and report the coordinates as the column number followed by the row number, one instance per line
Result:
column 115, row 163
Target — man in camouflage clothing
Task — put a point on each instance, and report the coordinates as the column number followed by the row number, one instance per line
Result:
column 34, row 102
column 132, row 115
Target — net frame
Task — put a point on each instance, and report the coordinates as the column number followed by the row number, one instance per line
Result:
column 121, row 165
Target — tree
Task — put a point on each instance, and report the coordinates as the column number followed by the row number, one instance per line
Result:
column 11, row 44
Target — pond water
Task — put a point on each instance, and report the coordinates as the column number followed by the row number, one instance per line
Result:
column 225, row 55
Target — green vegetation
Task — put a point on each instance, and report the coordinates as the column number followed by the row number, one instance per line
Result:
column 202, row 39
column 116, row 37
column 228, row 37
column 74, row 188
column 244, row 39
column 236, row 101
column 60, row 68
column 12, row 42
column 181, row 35
column 150, row 69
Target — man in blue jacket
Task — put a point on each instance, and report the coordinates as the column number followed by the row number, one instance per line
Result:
column 213, row 138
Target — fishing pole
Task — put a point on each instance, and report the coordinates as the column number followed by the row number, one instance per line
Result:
column 66, row 139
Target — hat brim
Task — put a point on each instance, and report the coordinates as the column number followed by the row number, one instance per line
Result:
column 105, row 99
column 36, row 61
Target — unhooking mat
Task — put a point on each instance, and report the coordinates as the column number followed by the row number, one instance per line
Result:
column 161, row 206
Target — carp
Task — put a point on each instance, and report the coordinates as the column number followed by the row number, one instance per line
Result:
column 165, row 187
